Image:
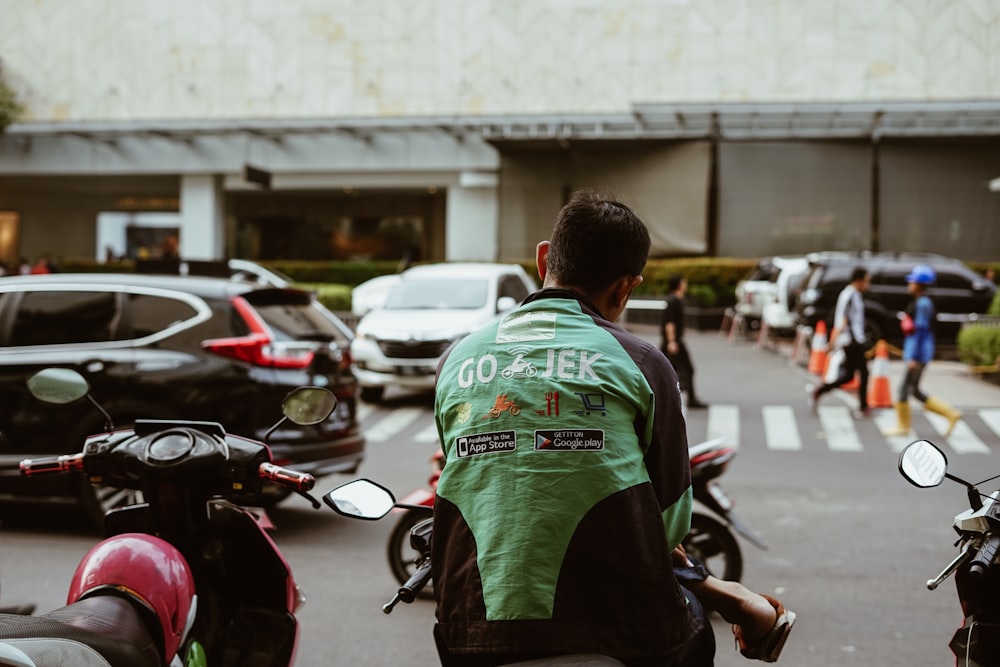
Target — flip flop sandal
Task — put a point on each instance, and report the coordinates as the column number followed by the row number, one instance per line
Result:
column 768, row 647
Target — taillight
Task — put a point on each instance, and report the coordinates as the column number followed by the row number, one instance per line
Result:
column 258, row 347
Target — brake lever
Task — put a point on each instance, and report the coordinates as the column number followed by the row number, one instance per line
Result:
column 960, row 560
column 308, row 496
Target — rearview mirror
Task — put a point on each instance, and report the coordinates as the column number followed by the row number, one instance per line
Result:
column 58, row 385
column 361, row 499
column 922, row 464
column 506, row 303
column 308, row 405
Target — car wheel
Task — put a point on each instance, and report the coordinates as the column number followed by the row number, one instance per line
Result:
column 874, row 331
column 372, row 394
column 97, row 500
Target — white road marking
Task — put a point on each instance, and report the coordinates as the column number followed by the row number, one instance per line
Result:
column 841, row 436
column 780, row 428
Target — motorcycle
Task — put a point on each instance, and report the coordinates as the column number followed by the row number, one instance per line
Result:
column 977, row 573
column 710, row 539
column 189, row 576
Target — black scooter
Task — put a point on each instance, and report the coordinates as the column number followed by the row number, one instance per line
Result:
column 977, row 573
column 189, row 574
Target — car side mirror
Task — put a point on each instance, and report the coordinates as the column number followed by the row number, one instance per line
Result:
column 506, row 303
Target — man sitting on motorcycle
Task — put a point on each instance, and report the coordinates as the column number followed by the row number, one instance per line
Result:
column 553, row 527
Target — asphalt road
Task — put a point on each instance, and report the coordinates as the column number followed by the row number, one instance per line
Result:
column 851, row 543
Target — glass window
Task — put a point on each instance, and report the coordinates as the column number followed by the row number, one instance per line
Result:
column 438, row 294
column 514, row 287
column 51, row 318
column 151, row 314
column 298, row 321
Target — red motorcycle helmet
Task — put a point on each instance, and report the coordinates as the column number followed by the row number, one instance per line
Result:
column 148, row 570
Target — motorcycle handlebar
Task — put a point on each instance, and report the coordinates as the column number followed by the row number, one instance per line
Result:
column 984, row 557
column 52, row 464
column 300, row 481
column 408, row 592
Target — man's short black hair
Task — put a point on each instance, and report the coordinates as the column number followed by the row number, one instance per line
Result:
column 858, row 273
column 595, row 241
column 674, row 281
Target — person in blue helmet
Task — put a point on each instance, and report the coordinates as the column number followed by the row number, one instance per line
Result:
column 917, row 323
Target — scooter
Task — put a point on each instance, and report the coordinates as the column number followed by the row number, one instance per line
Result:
column 977, row 573
column 710, row 539
column 189, row 576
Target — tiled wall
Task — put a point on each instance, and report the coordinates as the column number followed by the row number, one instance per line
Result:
column 191, row 59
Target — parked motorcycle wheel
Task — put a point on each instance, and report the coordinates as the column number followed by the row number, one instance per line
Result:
column 402, row 558
column 712, row 543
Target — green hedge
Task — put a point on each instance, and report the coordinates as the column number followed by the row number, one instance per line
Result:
column 711, row 280
column 334, row 297
column 979, row 344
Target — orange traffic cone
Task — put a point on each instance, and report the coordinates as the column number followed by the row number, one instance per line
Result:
column 817, row 352
column 879, row 393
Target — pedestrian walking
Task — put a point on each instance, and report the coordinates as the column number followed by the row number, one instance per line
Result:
column 917, row 323
column 672, row 344
column 848, row 337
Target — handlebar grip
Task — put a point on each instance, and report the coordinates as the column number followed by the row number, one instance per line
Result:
column 984, row 557
column 408, row 592
column 300, row 481
column 52, row 464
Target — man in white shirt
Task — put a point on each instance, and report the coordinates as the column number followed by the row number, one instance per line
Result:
column 848, row 334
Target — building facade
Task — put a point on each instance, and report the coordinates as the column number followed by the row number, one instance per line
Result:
column 454, row 129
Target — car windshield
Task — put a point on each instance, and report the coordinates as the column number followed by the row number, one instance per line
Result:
column 435, row 294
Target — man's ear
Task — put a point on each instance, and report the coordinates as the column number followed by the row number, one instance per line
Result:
column 541, row 259
column 623, row 287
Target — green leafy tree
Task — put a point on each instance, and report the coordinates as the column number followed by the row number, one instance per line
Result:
column 10, row 109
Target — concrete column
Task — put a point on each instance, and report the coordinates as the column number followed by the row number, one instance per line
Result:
column 472, row 219
column 202, row 220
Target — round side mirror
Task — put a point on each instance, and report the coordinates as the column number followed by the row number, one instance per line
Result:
column 922, row 464
column 308, row 405
column 361, row 499
column 58, row 385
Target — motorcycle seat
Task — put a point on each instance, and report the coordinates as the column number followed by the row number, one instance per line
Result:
column 108, row 625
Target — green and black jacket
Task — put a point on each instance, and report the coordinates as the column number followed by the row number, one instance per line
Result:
column 566, row 486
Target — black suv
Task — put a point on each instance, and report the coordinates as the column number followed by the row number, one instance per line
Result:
column 958, row 293
column 168, row 347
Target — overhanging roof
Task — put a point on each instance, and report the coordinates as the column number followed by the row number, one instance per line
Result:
column 738, row 121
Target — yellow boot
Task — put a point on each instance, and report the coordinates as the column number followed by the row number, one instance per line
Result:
column 945, row 410
column 903, row 415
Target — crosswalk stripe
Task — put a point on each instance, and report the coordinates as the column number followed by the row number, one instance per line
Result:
column 992, row 418
column 838, row 424
column 780, row 429
column 886, row 421
column 427, row 434
column 962, row 439
column 393, row 423
column 724, row 422
column 364, row 410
